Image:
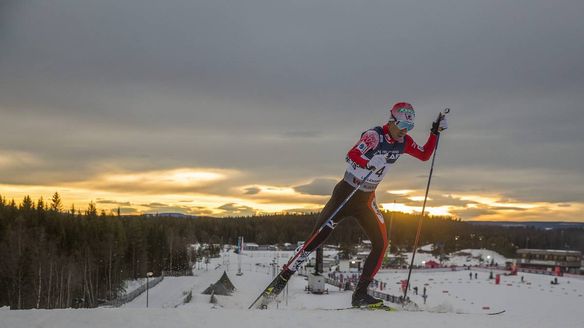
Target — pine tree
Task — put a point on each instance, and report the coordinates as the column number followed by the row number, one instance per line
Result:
column 91, row 210
column 27, row 204
column 56, row 204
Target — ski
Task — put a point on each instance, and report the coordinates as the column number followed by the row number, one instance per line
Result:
column 392, row 309
column 270, row 292
column 474, row 313
column 456, row 312
column 451, row 312
column 495, row 313
column 368, row 308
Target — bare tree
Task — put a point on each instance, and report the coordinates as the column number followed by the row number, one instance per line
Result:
column 38, row 303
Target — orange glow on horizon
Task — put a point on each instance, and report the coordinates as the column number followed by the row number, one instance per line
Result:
column 266, row 199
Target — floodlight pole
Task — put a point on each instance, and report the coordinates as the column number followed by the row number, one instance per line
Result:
column 148, row 275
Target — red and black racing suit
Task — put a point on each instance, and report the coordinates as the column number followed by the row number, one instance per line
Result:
column 362, row 205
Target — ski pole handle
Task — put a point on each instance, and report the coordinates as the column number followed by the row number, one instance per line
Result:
column 443, row 113
column 436, row 125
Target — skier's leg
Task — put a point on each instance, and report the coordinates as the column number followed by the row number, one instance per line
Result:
column 373, row 224
column 317, row 238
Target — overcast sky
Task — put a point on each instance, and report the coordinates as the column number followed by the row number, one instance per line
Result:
column 237, row 107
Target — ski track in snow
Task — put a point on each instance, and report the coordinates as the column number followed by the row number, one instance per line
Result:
column 534, row 303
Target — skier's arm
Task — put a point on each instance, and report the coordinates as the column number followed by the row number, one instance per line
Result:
column 421, row 152
column 369, row 140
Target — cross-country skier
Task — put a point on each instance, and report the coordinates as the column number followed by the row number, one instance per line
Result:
column 377, row 150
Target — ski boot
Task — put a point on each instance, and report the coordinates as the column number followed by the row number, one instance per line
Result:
column 276, row 287
column 362, row 299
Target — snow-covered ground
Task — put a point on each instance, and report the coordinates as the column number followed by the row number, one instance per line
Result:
column 468, row 257
column 132, row 285
column 532, row 303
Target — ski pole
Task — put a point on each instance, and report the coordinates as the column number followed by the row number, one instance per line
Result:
column 440, row 117
column 328, row 222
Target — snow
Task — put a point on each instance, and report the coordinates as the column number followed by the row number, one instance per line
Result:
column 169, row 293
column 132, row 285
column 427, row 248
column 532, row 303
column 458, row 259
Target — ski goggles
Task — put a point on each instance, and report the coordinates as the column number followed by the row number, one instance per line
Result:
column 404, row 125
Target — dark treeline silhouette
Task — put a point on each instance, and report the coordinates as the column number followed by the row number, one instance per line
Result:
column 55, row 258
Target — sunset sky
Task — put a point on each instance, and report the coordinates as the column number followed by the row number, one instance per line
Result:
column 243, row 107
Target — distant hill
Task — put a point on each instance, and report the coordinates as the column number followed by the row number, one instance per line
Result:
column 533, row 224
column 170, row 215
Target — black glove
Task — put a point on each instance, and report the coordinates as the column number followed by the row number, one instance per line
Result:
column 439, row 125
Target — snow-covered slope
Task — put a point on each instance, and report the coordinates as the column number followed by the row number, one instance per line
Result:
column 472, row 257
column 533, row 303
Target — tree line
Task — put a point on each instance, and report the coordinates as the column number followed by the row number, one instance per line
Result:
column 52, row 258
column 56, row 258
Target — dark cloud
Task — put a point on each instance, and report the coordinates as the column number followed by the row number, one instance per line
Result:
column 435, row 199
column 128, row 210
column 252, row 191
column 169, row 208
column 511, row 208
column 233, row 206
column 107, row 201
column 201, row 211
column 236, row 209
column 145, row 85
column 469, row 213
column 318, row 187
column 154, row 205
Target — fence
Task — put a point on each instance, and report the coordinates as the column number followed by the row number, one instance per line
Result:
column 388, row 297
column 349, row 284
column 179, row 273
column 126, row 298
